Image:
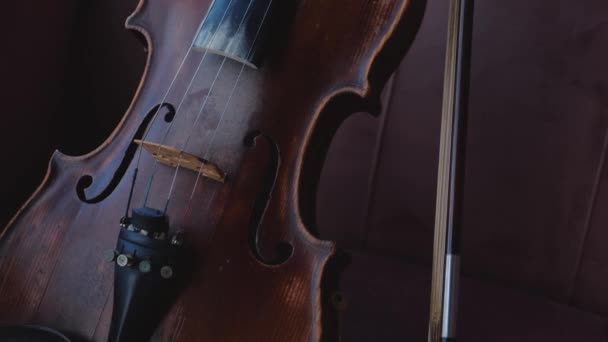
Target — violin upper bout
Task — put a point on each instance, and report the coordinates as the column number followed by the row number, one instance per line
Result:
column 134, row 21
column 137, row 23
column 357, row 51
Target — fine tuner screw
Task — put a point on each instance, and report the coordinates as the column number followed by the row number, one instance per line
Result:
column 124, row 260
column 166, row 272
column 145, row 266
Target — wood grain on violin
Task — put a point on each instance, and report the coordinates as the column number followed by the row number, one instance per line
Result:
column 256, row 271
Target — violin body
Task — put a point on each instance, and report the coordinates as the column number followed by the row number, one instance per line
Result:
column 256, row 270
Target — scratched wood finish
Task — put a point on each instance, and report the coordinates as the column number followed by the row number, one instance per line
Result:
column 332, row 61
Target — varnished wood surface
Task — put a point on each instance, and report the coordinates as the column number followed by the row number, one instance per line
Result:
column 51, row 265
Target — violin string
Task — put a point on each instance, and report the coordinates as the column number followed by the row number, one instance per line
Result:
column 179, row 161
column 177, row 111
column 220, row 122
column 232, row 92
column 200, row 112
column 160, row 106
column 194, row 76
column 179, row 69
column 198, row 174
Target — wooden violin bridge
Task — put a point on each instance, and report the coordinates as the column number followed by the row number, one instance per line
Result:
column 173, row 157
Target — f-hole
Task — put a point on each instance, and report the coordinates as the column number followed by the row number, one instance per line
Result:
column 283, row 250
column 86, row 181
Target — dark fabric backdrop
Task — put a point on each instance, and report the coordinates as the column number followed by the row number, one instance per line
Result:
column 535, row 265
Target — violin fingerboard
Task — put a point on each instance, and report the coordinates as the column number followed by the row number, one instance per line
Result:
column 237, row 29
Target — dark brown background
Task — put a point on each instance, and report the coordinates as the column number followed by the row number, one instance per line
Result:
column 536, row 211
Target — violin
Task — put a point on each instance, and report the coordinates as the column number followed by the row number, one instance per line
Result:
column 194, row 220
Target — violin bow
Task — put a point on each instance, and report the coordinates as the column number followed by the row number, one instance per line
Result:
column 450, row 184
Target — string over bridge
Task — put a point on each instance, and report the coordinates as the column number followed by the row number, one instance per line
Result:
column 173, row 157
